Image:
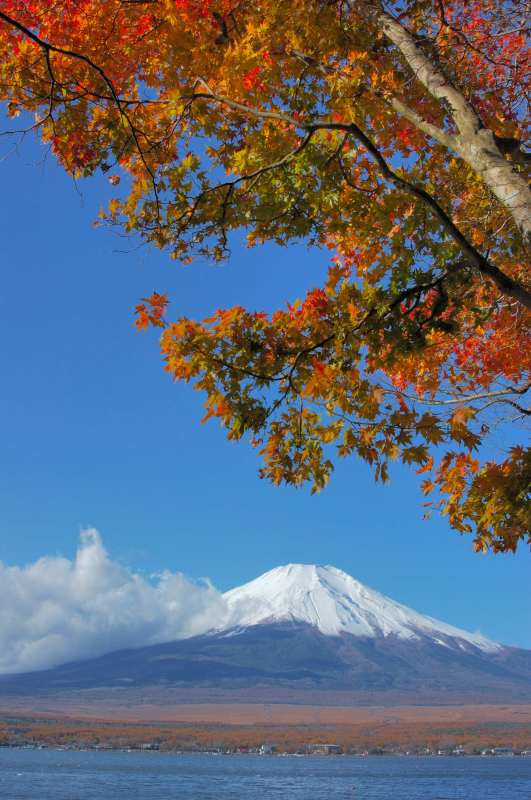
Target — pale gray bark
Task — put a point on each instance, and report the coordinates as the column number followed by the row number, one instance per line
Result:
column 419, row 122
column 474, row 143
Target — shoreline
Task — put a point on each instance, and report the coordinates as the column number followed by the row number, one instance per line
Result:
column 467, row 730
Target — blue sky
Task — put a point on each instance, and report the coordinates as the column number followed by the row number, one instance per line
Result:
column 94, row 432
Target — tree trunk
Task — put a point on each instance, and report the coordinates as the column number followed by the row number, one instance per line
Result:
column 474, row 143
column 479, row 149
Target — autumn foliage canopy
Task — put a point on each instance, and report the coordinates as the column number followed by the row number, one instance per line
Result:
column 391, row 135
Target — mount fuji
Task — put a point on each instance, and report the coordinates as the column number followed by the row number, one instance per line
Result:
column 334, row 603
column 305, row 634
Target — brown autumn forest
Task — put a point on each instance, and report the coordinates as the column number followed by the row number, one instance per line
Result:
column 230, row 728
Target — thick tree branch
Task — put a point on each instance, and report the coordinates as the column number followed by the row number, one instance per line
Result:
column 474, row 143
column 433, row 79
column 423, row 125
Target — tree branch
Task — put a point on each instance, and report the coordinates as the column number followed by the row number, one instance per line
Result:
column 48, row 48
column 423, row 125
column 505, row 283
column 475, row 144
column 501, row 393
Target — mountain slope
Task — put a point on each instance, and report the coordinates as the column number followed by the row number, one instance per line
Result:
column 295, row 656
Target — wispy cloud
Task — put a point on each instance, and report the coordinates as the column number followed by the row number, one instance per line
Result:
column 58, row 610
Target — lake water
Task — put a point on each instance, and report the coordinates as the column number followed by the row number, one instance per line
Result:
column 68, row 775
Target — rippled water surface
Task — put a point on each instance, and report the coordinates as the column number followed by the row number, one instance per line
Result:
column 56, row 775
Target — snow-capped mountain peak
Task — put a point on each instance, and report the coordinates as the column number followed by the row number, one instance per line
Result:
column 335, row 603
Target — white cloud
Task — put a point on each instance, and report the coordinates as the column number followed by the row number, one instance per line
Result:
column 58, row 610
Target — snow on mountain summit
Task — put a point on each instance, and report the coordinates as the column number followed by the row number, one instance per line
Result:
column 335, row 603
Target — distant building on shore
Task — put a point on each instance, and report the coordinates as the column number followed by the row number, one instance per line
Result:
column 267, row 749
column 325, row 749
